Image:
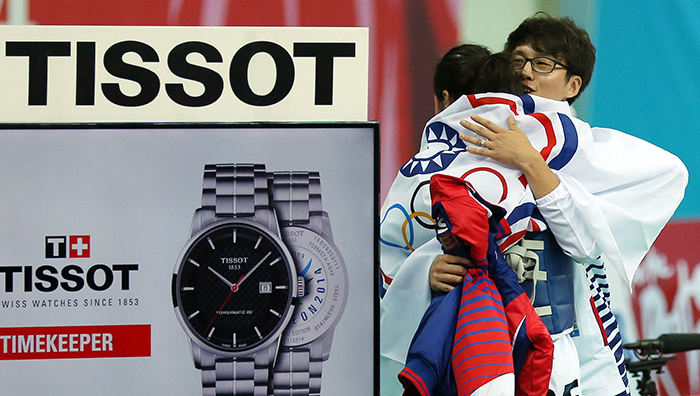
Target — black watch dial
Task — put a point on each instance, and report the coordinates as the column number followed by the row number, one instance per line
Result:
column 234, row 287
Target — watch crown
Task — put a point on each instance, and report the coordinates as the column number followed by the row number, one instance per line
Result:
column 301, row 286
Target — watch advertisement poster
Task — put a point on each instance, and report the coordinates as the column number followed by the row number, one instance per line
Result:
column 188, row 259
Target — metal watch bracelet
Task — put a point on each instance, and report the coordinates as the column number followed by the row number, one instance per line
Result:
column 297, row 200
column 239, row 191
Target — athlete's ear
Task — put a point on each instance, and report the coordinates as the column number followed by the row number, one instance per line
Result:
column 446, row 97
column 443, row 102
column 573, row 86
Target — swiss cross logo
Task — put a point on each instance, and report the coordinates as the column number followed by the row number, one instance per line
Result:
column 74, row 246
column 79, row 246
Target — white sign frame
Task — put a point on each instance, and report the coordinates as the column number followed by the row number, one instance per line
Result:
column 182, row 74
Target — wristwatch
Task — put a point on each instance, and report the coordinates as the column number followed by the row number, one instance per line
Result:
column 235, row 281
column 306, row 229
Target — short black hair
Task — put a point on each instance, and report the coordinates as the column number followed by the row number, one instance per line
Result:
column 471, row 68
column 558, row 37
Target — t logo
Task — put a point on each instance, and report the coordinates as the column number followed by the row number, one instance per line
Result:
column 78, row 246
column 55, row 247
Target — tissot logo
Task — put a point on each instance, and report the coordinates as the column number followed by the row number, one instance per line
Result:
column 78, row 246
column 68, row 275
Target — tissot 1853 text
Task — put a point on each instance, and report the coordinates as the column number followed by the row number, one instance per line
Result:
column 234, row 286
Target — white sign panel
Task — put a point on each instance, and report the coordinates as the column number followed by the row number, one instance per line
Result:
column 213, row 74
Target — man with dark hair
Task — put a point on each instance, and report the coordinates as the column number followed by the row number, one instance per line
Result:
column 558, row 46
column 558, row 41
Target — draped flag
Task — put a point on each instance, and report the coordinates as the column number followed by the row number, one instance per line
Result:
column 605, row 173
column 406, row 223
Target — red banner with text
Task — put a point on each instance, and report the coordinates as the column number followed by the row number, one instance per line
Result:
column 666, row 299
column 75, row 342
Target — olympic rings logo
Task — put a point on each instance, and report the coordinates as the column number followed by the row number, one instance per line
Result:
column 407, row 230
column 500, row 177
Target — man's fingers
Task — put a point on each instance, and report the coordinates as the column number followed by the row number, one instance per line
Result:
column 478, row 129
column 445, row 287
column 472, row 127
column 449, row 269
column 450, row 278
column 456, row 260
column 486, row 123
column 490, row 127
column 477, row 141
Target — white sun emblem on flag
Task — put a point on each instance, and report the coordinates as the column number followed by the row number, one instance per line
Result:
column 444, row 145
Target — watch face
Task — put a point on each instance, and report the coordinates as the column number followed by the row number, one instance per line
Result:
column 319, row 262
column 233, row 286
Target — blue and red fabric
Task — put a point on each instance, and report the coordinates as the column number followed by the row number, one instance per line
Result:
column 485, row 328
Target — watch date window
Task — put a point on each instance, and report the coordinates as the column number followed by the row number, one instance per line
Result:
column 265, row 287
